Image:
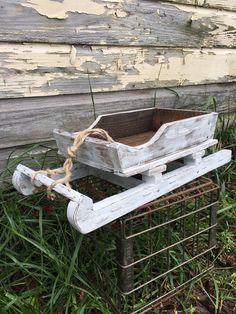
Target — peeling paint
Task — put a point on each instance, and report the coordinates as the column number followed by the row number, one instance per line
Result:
column 72, row 55
column 58, row 10
column 223, row 4
column 120, row 13
column 193, row 70
column 91, row 28
column 28, row 61
column 119, row 65
column 44, row 69
column 217, row 22
column 202, row 12
column 114, row 1
column 31, row 86
column 110, row 5
column 221, row 18
column 123, row 23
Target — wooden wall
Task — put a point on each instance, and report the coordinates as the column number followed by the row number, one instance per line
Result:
column 182, row 52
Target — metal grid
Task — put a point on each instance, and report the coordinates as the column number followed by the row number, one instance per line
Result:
column 154, row 252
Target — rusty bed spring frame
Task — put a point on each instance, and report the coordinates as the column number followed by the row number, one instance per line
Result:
column 149, row 255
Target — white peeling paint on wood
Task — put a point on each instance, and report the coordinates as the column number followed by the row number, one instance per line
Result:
column 226, row 22
column 222, row 4
column 126, row 23
column 59, row 9
column 21, row 183
column 218, row 4
column 125, row 182
column 42, row 69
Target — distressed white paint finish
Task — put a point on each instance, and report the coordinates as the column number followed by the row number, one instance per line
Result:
column 118, row 205
column 170, row 138
column 149, row 166
column 24, row 173
column 218, row 4
column 128, row 22
column 86, row 216
column 59, row 10
column 165, row 160
column 22, row 180
column 125, row 182
column 42, row 69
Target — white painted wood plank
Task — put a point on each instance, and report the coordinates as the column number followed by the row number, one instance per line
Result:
column 125, row 182
column 126, row 22
column 154, row 163
column 218, row 4
column 118, row 205
column 170, row 138
column 86, row 216
column 42, row 70
column 22, row 182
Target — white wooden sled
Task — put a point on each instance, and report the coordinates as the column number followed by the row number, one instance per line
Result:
column 187, row 135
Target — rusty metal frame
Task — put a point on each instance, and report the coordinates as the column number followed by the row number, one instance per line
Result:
column 202, row 195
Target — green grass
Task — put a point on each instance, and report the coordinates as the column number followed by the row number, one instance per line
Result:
column 40, row 252
column 39, row 255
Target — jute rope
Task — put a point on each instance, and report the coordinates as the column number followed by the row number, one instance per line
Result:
column 68, row 164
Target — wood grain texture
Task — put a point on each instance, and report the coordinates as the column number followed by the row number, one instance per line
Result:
column 218, row 4
column 42, row 69
column 187, row 130
column 22, row 119
column 126, row 22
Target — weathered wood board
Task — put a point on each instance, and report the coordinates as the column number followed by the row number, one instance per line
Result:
column 42, row 69
column 110, row 22
column 22, row 118
column 218, row 4
column 32, row 121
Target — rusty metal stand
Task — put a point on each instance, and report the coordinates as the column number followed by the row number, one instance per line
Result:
column 149, row 255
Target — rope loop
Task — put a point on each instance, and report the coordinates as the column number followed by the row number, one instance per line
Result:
column 71, row 154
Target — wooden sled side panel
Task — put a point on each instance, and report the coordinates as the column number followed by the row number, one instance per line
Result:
column 170, row 138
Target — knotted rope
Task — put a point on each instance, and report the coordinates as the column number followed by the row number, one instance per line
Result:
column 71, row 154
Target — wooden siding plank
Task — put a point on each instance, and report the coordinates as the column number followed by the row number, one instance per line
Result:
column 127, row 23
column 218, row 4
column 22, row 118
column 42, row 69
